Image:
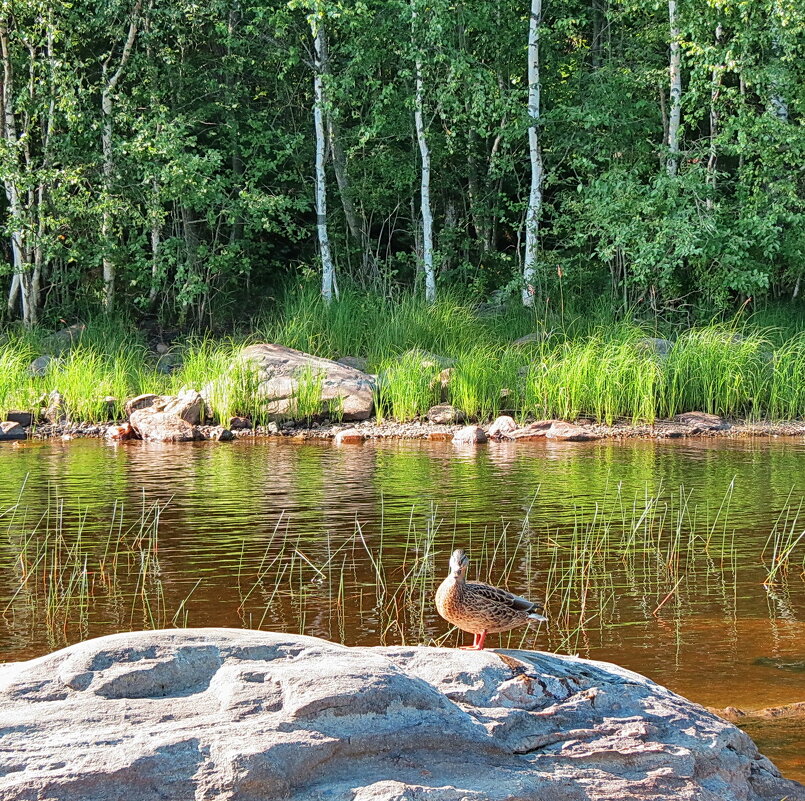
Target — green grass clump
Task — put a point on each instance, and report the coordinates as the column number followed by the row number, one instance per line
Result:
column 720, row 370
column 485, row 381
column 406, row 388
column 607, row 375
column 229, row 383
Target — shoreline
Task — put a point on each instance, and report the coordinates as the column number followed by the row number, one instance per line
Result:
column 419, row 430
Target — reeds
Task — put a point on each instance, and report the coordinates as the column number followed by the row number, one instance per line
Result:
column 624, row 560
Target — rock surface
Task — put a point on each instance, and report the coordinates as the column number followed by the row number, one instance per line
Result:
column 501, row 427
column 211, row 714
column 25, row 419
column 469, row 435
column 702, row 421
column 157, row 426
column 11, row 430
column 568, row 432
column 349, row 436
column 344, row 390
column 445, row 414
column 188, row 404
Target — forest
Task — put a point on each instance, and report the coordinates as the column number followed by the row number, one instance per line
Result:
column 188, row 161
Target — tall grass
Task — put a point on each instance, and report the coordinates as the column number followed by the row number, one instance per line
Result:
column 580, row 366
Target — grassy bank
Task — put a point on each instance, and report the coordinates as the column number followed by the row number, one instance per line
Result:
column 578, row 365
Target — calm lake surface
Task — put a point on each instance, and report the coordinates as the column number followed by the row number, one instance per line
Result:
column 652, row 555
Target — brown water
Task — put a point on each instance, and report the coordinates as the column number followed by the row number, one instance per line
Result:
column 651, row 555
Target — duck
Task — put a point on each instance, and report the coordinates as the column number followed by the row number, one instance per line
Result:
column 479, row 608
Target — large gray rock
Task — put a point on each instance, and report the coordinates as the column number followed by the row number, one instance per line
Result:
column 345, row 392
column 188, row 404
column 213, row 714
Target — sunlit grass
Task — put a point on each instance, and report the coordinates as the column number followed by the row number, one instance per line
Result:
column 586, row 366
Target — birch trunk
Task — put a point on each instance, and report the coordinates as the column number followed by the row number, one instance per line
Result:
column 535, row 197
column 675, row 73
column 9, row 180
column 327, row 267
column 424, row 185
column 107, row 109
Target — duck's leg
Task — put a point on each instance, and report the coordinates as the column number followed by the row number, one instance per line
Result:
column 477, row 642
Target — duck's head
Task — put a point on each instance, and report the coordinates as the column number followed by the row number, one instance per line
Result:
column 458, row 564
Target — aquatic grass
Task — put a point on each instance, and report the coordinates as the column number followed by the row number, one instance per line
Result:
column 306, row 403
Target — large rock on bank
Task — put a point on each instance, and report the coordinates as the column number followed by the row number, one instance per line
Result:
column 283, row 373
column 154, row 425
column 213, row 714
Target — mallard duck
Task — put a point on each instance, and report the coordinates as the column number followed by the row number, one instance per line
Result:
column 480, row 608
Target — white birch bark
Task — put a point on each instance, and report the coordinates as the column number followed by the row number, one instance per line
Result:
column 675, row 74
column 9, row 180
column 532, row 218
column 424, row 186
column 327, row 267
column 110, row 83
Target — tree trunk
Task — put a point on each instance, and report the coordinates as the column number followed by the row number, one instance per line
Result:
column 597, row 38
column 156, row 242
column 327, row 267
column 535, row 197
column 675, row 73
column 107, row 109
column 424, row 192
column 9, row 180
column 715, row 91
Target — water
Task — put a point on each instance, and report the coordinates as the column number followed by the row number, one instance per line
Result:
column 653, row 555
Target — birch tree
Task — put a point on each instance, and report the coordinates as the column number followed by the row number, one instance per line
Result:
column 317, row 27
column 675, row 74
column 424, row 154
column 532, row 219
column 111, row 79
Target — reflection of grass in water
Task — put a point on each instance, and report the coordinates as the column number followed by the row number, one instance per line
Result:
column 663, row 553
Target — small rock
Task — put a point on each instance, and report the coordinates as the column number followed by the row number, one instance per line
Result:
column 273, row 428
column 702, row 421
column 188, row 404
column 440, row 436
column 120, row 433
column 239, row 423
column 25, row 419
column 349, row 436
column 39, row 366
column 11, row 430
column 469, row 435
column 169, row 363
column 443, row 382
column 161, row 348
column 444, row 414
column 655, row 345
column 140, row 402
column 530, row 339
column 54, row 412
column 532, row 431
column 428, row 360
column 157, row 426
column 221, row 434
column 568, row 432
column 355, row 362
column 501, row 426
column 67, row 336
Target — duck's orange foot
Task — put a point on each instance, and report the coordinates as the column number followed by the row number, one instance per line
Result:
column 477, row 643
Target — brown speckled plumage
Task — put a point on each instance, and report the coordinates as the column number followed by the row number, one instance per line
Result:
column 480, row 608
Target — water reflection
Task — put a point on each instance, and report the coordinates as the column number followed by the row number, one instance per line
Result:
column 652, row 552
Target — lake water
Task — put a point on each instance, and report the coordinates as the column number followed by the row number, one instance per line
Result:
column 653, row 555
